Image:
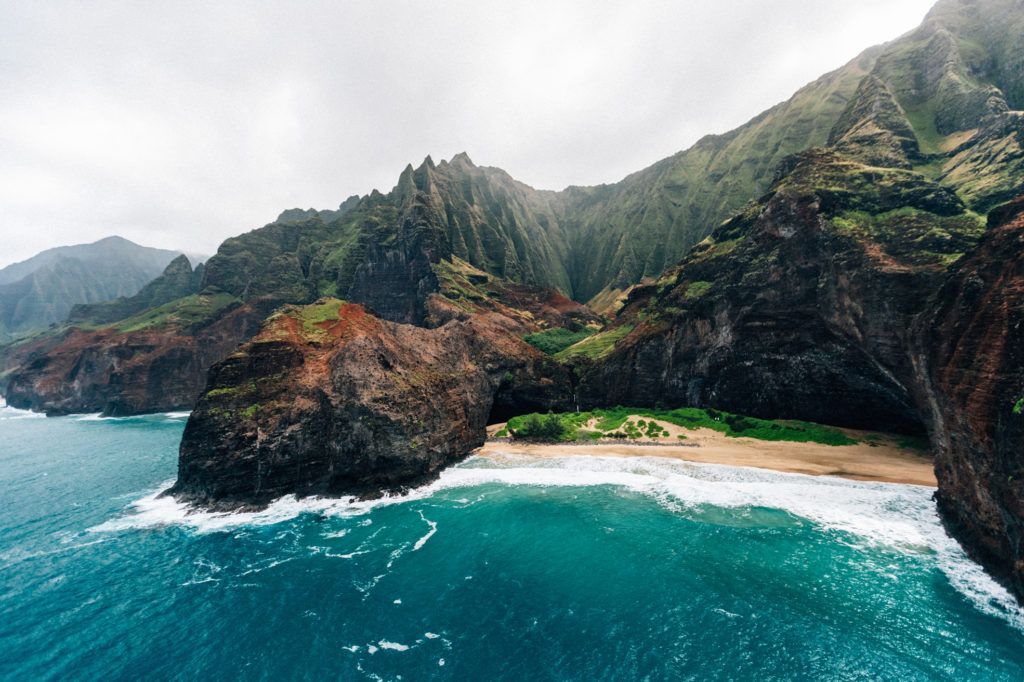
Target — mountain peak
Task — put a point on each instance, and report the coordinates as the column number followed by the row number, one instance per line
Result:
column 460, row 159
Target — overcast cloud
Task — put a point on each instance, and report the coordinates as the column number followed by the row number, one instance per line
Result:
column 179, row 124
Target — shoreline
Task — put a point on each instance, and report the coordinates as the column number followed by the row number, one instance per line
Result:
column 883, row 462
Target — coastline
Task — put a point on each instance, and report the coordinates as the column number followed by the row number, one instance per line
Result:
column 882, row 461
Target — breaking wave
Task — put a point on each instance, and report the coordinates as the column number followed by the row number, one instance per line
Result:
column 902, row 517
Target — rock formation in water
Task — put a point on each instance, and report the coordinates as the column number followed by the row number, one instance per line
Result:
column 329, row 399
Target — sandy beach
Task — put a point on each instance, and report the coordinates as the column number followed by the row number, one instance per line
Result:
column 880, row 459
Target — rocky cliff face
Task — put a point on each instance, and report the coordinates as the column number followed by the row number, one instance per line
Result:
column 971, row 358
column 127, row 371
column 941, row 101
column 329, row 399
column 381, row 251
column 799, row 307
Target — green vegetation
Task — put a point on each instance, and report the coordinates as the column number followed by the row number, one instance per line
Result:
column 1018, row 408
column 184, row 312
column 913, row 235
column 922, row 120
column 46, row 288
column 615, row 423
column 552, row 341
column 315, row 314
column 455, row 278
column 548, row 428
column 596, row 346
column 228, row 390
column 696, row 289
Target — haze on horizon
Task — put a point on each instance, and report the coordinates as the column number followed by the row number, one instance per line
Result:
column 180, row 125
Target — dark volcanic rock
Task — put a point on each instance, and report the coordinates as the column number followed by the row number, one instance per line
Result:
column 972, row 362
column 329, row 399
column 800, row 307
column 124, row 372
column 397, row 275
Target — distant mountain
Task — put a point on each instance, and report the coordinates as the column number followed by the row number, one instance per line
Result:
column 176, row 281
column 40, row 291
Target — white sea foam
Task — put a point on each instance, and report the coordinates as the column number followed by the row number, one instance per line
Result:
column 100, row 417
column 903, row 517
column 8, row 413
column 392, row 646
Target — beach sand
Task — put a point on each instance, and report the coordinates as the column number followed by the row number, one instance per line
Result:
column 881, row 459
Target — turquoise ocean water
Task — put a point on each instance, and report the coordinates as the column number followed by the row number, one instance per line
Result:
column 585, row 568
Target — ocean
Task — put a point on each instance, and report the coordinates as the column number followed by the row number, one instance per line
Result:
column 582, row 568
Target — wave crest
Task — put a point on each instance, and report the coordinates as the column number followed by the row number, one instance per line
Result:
column 900, row 516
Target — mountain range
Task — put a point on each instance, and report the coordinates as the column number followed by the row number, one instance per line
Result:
column 851, row 256
column 41, row 291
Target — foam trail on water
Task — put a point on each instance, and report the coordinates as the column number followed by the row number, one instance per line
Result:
column 430, row 533
column 903, row 517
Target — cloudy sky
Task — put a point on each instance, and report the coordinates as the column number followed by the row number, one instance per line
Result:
column 178, row 124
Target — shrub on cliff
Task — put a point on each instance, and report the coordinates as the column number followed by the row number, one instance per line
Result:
column 546, row 428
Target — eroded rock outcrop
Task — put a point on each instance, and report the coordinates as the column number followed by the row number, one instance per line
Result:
column 329, row 399
column 125, row 371
column 971, row 356
column 799, row 307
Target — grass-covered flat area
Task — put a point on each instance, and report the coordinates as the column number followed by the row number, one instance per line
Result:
column 708, row 436
column 184, row 312
column 640, row 424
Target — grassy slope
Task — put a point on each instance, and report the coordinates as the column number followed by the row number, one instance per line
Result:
column 638, row 227
column 553, row 341
column 183, row 312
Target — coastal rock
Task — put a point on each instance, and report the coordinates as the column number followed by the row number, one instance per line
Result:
column 800, row 307
column 972, row 364
column 124, row 372
column 329, row 399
